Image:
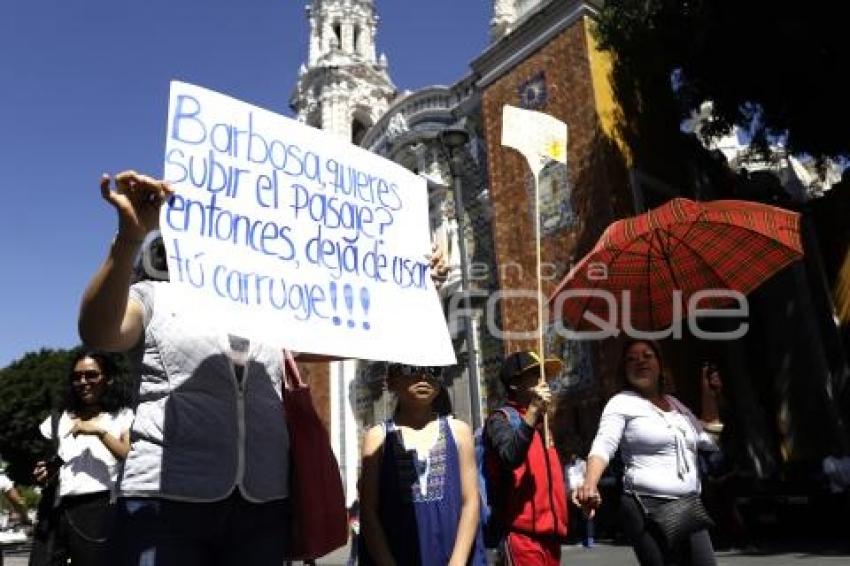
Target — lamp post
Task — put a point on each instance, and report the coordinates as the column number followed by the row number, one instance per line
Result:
column 454, row 139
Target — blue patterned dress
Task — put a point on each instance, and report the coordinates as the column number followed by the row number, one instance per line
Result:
column 420, row 501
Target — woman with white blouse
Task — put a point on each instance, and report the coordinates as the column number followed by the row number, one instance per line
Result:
column 658, row 439
column 92, row 438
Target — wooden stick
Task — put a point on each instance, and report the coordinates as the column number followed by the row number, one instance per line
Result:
column 541, row 347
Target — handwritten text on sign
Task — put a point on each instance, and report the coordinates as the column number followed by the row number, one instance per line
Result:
column 295, row 237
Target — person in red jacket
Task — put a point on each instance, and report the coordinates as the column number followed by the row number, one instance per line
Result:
column 531, row 497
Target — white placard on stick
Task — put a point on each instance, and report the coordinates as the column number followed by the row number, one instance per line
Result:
column 537, row 136
column 286, row 234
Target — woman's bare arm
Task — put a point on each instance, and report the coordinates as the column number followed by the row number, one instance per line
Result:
column 468, row 524
column 370, row 493
column 108, row 320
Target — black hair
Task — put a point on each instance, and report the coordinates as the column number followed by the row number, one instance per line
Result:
column 112, row 399
column 442, row 403
column 656, row 348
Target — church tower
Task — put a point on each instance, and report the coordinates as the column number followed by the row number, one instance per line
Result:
column 343, row 87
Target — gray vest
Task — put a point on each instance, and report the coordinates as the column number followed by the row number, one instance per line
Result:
column 199, row 432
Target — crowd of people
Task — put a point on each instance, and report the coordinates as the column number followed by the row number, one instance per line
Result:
column 197, row 472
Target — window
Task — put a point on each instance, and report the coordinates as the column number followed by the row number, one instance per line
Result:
column 338, row 34
column 358, row 131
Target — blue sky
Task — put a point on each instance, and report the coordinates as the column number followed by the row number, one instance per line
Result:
column 83, row 90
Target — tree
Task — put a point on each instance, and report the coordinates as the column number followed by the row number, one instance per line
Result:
column 29, row 388
column 773, row 67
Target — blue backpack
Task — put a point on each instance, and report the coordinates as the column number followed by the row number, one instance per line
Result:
column 490, row 524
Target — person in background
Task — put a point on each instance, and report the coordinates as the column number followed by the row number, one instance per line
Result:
column 419, row 483
column 574, row 471
column 658, row 438
column 354, row 528
column 13, row 497
column 529, row 494
column 719, row 469
column 93, row 439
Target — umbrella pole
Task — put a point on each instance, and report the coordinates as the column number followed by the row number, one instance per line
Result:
column 540, row 342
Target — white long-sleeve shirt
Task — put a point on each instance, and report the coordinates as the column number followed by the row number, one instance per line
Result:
column 658, row 448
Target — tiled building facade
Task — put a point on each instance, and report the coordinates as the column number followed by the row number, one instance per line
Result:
column 542, row 57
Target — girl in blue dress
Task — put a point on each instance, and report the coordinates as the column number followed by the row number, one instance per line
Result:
column 419, row 486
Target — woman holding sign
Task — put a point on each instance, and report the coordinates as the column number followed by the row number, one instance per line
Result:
column 206, row 478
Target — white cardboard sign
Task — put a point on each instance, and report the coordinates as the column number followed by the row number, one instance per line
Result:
column 283, row 233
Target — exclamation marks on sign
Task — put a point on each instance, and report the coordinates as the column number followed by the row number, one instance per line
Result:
column 364, row 302
column 336, row 319
column 348, row 293
column 348, row 299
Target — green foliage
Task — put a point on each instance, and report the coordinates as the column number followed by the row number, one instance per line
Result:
column 29, row 494
column 779, row 63
column 29, row 388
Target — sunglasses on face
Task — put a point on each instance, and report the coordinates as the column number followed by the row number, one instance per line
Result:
column 87, row 376
column 433, row 373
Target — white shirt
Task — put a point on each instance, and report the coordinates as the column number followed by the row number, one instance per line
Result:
column 5, row 483
column 658, row 448
column 89, row 465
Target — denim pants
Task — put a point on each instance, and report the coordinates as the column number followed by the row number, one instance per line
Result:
column 230, row 532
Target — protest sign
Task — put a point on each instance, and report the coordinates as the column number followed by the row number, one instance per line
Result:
column 286, row 234
column 537, row 136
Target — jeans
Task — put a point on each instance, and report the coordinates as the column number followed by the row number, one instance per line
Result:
column 647, row 542
column 230, row 532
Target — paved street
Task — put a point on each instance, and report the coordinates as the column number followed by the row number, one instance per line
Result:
column 614, row 555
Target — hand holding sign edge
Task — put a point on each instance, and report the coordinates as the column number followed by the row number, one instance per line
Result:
column 137, row 199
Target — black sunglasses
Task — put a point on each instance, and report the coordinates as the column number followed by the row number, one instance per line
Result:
column 90, row 376
column 406, row 370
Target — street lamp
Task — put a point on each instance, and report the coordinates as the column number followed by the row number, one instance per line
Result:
column 454, row 139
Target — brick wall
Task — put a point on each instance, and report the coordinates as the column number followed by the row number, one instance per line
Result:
column 577, row 92
column 594, row 168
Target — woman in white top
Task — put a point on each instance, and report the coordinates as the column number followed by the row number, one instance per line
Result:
column 92, row 438
column 658, row 438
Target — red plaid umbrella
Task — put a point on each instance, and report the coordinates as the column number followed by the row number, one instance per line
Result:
column 681, row 245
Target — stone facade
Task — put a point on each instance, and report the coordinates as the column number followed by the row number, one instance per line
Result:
column 343, row 88
column 507, row 15
column 562, row 74
column 543, row 58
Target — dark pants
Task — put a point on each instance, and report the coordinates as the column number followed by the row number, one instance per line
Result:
column 79, row 529
column 234, row 531
column 648, row 543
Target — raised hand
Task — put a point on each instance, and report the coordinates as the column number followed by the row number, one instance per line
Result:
column 438, row 263
column 137, row 199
